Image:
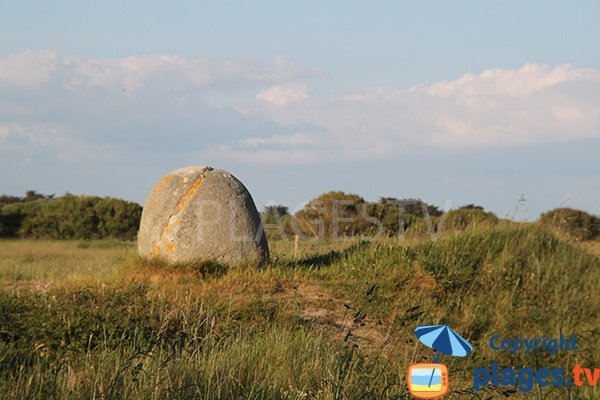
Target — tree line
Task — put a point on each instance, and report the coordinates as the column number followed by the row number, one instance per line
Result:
column 334, row 214
column 338, row 214
column 68, row 217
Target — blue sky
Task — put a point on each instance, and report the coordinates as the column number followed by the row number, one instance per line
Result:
column 449, row 101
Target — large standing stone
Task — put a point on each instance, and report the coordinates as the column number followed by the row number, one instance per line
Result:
column 198, row 214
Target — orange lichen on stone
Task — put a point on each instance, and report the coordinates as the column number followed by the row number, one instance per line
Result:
column 156, row 250
column 185, row 199
column 166, row 232
column 171, row 246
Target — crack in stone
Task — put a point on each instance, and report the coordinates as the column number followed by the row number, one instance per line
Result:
column 179, row 207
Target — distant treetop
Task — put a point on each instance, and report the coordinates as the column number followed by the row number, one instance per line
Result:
column 68, row 217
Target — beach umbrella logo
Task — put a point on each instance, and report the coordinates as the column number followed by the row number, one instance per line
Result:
column 443, row 339
column 430, row 380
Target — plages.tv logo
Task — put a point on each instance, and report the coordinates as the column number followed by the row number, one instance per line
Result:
column 430, row 380
column 526, row 378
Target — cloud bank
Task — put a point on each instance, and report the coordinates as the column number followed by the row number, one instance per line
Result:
column 79, row 108
column 76, row 109
column 31, row 69
column 495, row 108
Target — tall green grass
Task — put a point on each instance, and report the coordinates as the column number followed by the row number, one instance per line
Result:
column 332, row 324
column 121, row 343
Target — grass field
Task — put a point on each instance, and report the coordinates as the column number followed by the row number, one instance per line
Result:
column 89, row 320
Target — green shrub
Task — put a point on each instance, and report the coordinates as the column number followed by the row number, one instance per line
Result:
column 577, row 224
column 423, row 228
column 332, row 214
column 463, row 218
column 71, row 217
column 455, row 220
column 10, row 221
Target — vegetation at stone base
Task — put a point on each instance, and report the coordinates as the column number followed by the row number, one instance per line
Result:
column 68, row 217
column 334, row 323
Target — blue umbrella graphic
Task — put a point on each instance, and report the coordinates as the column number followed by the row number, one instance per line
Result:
column 444, row 339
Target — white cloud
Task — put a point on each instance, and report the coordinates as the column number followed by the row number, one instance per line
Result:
column 65, row 145
column 498, row 107
column 38, row 134
column 68, row 102
column 170, row 72
column 528, row 79
column 133, row 73
column 29, row 68
column 296, row 139
column 294, row 156
column 6, row 130
column 73, row 108
column 284, row 94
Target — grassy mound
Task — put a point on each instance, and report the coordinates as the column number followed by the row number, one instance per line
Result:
column 336, row 323
column 578, row 225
